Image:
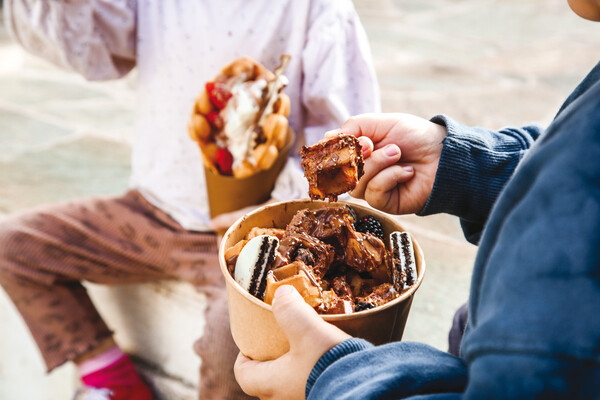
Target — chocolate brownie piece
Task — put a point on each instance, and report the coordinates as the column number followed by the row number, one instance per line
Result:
column 332, row 167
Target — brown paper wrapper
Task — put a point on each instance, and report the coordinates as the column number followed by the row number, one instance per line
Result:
column 253, row 325
column 227, row 193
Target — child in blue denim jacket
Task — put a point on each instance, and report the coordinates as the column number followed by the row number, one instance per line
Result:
column 531, row 199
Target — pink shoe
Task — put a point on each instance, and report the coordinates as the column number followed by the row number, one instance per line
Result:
column 137, row 392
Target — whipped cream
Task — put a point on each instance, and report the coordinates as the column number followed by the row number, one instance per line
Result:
column 239, row 115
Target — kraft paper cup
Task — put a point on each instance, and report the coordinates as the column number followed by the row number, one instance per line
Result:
column 227, row 193
column 253, row 325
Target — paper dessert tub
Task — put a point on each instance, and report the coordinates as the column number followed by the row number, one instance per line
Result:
column 227, row 193
column 253, row 324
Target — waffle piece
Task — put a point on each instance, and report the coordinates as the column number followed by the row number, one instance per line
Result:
column 253, row 263
column 403, row 267
column 332, row 167
column 299, row 276
column 232, row 253
column 256, row 231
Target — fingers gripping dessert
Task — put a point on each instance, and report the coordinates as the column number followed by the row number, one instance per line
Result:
column 332, row 167
column 239, row 120
column 336, row 261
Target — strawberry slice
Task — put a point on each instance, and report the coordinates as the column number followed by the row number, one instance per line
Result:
column 217, row 94
column 224, row 161
column 215, row 120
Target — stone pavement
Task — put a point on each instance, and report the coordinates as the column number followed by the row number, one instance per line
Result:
column 62, row 137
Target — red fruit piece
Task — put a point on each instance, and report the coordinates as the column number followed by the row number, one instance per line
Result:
column 215, row 120
column 217, row 94
column 224, row 161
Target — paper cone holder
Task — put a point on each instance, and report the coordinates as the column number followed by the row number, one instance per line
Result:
column 227, row 193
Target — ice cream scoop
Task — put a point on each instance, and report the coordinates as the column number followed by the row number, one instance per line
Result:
column 253, row 262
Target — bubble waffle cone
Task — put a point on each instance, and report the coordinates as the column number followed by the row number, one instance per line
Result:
column 253, row 325
column 239, row 121
column 295, row 275
column 263, row 126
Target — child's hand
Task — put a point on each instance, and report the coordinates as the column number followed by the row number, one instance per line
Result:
column 402, row 153
column 310, row 337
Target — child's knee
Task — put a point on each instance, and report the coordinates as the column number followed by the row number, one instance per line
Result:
column 17, row 243
column 10, row 237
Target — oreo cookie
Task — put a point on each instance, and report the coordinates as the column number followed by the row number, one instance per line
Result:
column 404, row 267
column 253, row 264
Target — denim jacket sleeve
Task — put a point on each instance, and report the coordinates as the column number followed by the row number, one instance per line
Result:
column 474, row 166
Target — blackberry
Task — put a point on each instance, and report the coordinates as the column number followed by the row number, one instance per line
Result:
column 363, row 306
column 369, row 224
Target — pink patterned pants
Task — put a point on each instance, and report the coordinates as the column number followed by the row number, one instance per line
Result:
column 46, row 252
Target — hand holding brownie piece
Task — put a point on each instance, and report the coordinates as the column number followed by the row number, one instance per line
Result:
column 400, row 164
column 332, row 166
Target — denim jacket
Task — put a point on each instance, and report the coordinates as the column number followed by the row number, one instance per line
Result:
column 531, row 199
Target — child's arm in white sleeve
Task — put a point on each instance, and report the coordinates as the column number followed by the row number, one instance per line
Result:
column 338, row 82
column 96, row 38
column 338, row 72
